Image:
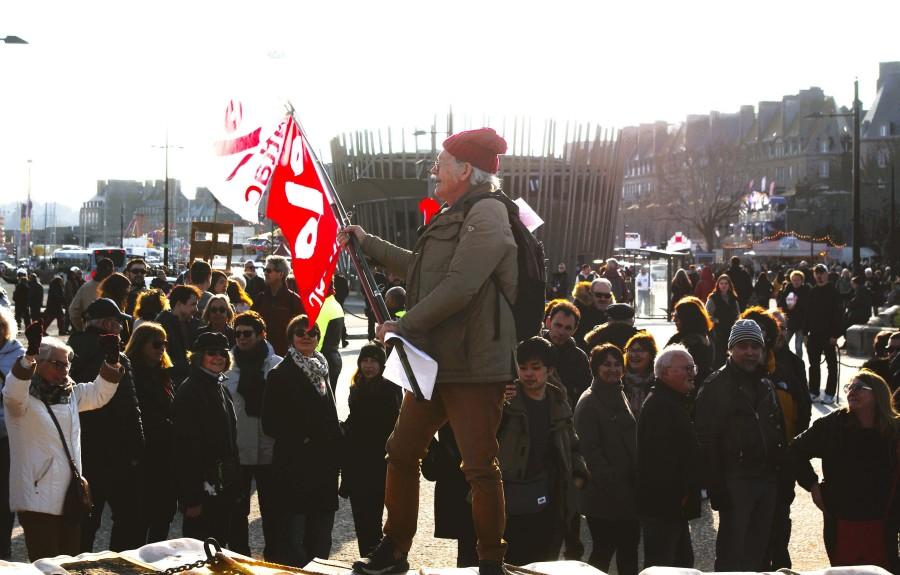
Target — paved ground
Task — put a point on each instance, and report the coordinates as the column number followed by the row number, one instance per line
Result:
column 806, row 547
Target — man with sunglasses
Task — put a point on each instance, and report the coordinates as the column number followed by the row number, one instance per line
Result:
column 460, row 276
column 135, row 271
column 277, row 303
column 112, row 437
column 246, row 381
column 596, row 314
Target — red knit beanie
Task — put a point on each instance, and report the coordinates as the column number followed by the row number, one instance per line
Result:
column 478, row 147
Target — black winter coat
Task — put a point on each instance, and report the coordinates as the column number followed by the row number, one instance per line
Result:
column 374, row 406
column 796, row 316
column 858, row 466
column 702, row 350
column 205, row 438
column 573, row 370
column 591, row 317
column 743, row 283
column 35, row 294
column 113, row 434
column 307, row 437
column 824, row 318
column 157, row 412
column 739, row 425
column 669, row 460
column 20, row 295
column 608, row 442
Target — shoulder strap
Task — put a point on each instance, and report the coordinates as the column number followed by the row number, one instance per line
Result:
column 63, row 439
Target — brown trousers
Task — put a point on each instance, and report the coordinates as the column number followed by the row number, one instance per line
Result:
column 49, row 535
column 474, row 411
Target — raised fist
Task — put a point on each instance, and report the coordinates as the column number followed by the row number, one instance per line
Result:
column 34, row 333
column 109, row 343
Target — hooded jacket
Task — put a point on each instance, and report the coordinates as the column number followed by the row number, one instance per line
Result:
column 514, row 439
column 454, row 274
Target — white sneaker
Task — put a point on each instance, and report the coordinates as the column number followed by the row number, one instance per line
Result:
column 828, row 399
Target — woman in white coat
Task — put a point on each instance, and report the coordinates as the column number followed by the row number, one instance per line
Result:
column 41, row 473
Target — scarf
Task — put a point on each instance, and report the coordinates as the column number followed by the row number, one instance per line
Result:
column 252, row 381
column 50, row 393
column 314, row 367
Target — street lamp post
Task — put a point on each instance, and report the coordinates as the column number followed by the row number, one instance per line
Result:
column 854, row 190
column 166, row 202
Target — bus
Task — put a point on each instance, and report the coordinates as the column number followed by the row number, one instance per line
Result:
column 86, row 259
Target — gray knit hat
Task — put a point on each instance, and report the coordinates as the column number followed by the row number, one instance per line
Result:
column 745, row 330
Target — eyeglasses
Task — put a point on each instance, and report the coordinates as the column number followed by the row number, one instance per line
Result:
column 159, row 343
column 307, row 333
column 602, row 294
column 856, row 386
column 217, row 352
column 60, row 365
column 690, row 368
column 218, row 310
column 242, row 333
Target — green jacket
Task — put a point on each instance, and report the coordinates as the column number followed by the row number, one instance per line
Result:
column 515, row 443
column 452, row 277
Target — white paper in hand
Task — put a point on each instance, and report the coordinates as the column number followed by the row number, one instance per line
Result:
column 528, row 216
column 423, row 366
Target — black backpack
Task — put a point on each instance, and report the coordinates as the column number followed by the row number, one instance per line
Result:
column 528, row 309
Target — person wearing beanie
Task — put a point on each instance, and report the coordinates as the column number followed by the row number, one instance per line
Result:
column 740, row 427
column 460, row 276
column 374, row 403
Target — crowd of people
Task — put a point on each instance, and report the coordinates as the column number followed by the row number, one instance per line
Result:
column 227, row 382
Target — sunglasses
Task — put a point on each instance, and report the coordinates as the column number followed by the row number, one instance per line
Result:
column 218, row 310
column 602, row 295
column 308, row 333
column 856, row 387
column 217, row 352
column 159, row 344
column 242, row 333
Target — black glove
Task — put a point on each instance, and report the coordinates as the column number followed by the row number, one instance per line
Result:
column 109, row 343
column 33, row 333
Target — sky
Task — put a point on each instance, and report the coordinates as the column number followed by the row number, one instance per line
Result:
column 102, row 86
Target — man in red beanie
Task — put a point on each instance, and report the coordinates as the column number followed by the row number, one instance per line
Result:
column 460, row 276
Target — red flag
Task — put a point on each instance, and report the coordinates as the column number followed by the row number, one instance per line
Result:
column 300, row 204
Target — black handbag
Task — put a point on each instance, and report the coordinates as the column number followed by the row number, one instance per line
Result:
column 528, row 496
column 78, row 501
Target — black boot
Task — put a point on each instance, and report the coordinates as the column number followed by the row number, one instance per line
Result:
column 382, row 560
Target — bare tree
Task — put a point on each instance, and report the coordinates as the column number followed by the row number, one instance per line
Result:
column 702, row 189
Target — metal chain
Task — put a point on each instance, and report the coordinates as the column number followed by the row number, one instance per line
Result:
column 188, row 567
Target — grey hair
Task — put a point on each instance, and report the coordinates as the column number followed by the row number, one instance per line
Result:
column 280, row 264
column 665, row 357
column 48, row 344
column 8, row 319
column 480, row 176
column 602, row 281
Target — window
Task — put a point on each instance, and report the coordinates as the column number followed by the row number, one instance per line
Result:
column 883, row 158
column 824, row 146
column 884, row 131
column 824, row 169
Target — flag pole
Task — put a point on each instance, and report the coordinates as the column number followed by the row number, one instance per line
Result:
column 367, row 279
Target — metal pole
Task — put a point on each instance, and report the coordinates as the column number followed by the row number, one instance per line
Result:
column 166, row 209
column 893, row 229
column 122, row 227
column 369, row 285
column 855, row 190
